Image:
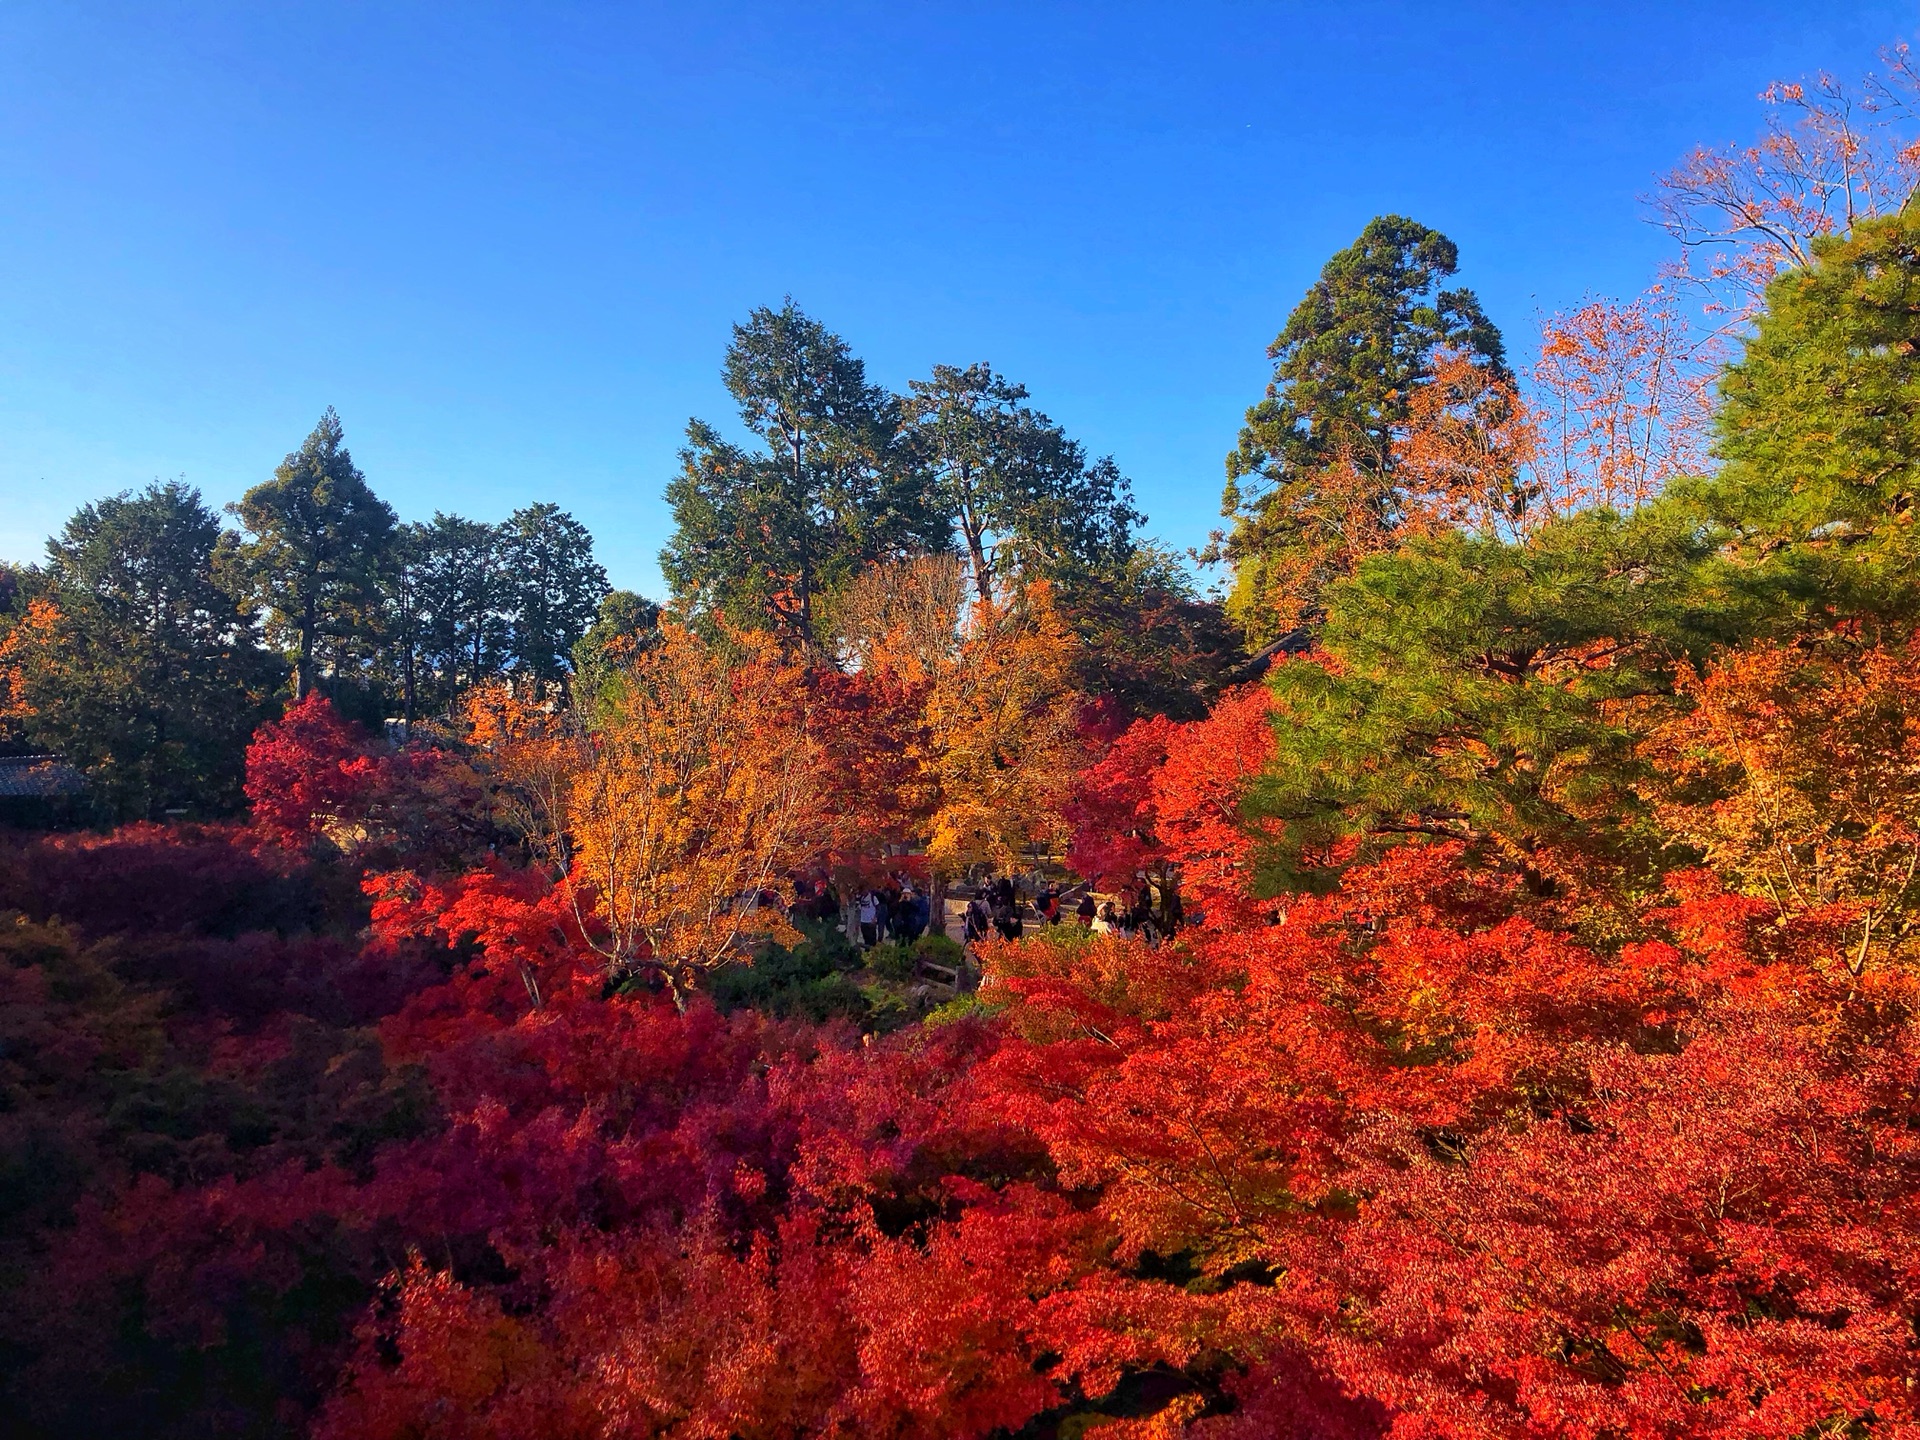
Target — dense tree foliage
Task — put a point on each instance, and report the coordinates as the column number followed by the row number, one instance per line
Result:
column 1022, row 495
column 1818, row 425
column 1150, row 643
column 554, row 587
column 623, row 624
column 152, row 642
column 1523, row 1039
column 135, row 662
column 1313, row 485
column 459, row 589
column 320, row 542
column 761, row 536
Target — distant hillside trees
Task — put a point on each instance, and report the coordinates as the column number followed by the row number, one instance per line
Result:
column 418, row 614
column 134, row 662
column 847, row 476
column 152, row 642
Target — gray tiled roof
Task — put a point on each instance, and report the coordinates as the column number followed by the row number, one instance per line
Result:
column 38, row 777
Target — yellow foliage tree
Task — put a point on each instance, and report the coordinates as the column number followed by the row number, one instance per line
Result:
column 672, row 824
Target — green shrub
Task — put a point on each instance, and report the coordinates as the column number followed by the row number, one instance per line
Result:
column 887, row 1009
column 962, row 1007
column 824, row 947
column 891, row 960
column 828, row 998
column 772, row 979
column 940, row 950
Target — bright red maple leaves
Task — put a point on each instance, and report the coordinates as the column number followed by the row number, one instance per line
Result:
column 1416, row 1157
column 1170, row 799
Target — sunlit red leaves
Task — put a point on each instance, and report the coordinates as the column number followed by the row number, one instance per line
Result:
column 28, row 649
column 1200, row 794
column 314, row 778
column 876, row 796
column 1114, row 813
column 1502, row 1182
column 309, row 772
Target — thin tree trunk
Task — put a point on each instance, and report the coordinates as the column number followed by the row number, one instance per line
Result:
column 408, row 691
column 982, row 581
column 303, row 671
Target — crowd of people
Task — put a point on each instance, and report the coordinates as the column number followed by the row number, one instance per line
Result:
column 894, row 910
column 996, row 906
column 899, row 910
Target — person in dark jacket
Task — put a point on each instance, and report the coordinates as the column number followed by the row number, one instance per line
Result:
column 974, row 923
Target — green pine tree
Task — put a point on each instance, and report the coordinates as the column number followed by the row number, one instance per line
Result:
column 1819, row 429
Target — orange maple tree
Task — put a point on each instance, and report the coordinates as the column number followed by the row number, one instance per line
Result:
column 1003, row 734
column 1797, row 774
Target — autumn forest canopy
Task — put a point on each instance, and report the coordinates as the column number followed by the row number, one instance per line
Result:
column 1450, row 970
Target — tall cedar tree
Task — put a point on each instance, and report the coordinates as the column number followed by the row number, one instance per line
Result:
column 553, row 589
column 462, row 584
column 135, row 663
column 320, row 544
column 1021, row 493
column 761, row 537
column 1311, row 484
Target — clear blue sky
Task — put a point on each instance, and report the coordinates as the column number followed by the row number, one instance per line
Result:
column 507, row 241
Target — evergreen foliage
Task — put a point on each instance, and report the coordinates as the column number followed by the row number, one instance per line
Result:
column 1819, row 428
column 1023, row 496
column 552, row 586
column 135, row 663
column 762, row 535
column 461, row 581
column 317, row 559
column 624, row 625
column 1345, row 369
column 1488, row 691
